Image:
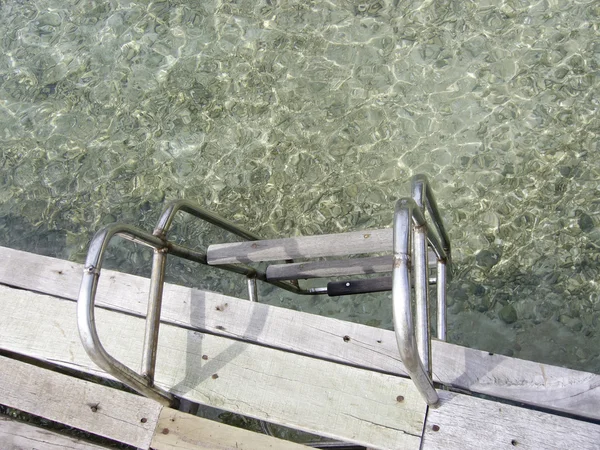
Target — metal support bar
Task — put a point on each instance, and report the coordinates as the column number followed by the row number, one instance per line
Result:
column 421, row 294
column 405, row 214
column 252, row 289
column 166, row 219
column 441, row 301
column 153, row 315
column 423, row 196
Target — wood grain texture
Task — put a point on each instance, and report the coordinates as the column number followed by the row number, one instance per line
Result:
column 465, row 422
column 22, row 436
column 316, row 396
column 542, row 385
column 353, row 243
column 325, row 269
column 91, row 407
column 180, row 431
column 114, row 414
column 537, row 384
column 335, row 268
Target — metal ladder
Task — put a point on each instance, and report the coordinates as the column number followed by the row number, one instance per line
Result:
column 411, row 242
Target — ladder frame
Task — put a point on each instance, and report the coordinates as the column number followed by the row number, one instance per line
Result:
column 410, row 236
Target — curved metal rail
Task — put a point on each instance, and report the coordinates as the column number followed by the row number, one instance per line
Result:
column 85, row 312
column 416, row 362
column 144, row 382
column 411, row 239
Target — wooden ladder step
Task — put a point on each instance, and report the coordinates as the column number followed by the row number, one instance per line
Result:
column 353, row 243
column 335, row 268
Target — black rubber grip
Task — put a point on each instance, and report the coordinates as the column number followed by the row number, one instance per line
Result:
column 335, row 288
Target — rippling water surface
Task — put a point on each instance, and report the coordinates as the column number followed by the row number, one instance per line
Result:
column 310, row 117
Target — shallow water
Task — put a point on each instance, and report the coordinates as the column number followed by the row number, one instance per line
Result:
column 307, row 117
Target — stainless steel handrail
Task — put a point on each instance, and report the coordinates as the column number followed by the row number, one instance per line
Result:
column 406, row 214
column 86, row 318
column 144, row 382
column 410, row 237
column 423, row 196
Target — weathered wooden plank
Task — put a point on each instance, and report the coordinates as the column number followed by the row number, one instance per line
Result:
column 180, row 431
column 537, row 384
column 20, row 436
column 117, row 415
column 100, row 410
column 542, row 385
column 463, row 422
column 217, row 313
column 312, row 395
column 353, row 243
column 335, row 268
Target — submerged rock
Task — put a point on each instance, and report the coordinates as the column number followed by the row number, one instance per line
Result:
column 487, row 258
column 585, row 223
column 508, row 314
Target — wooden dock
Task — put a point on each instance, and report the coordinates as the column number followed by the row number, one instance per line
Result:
column 321, row 375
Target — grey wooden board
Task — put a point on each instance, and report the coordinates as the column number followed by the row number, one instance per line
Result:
column 465, row 422
column 320, row 397
column 353, row 243
column 325, row 269
column 187, row 432
column 541, row 385
column 335, row 268
column 22, row 436
column 118, row 415
column 537, row 384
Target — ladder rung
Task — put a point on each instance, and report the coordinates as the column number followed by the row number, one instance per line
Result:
column 354, row 243
column 335, row 268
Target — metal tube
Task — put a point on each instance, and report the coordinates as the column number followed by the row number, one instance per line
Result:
column 153, row 315
column 252, row 289
column 406, row 211
column 420, row 269
column 85, row 313
column 186, row 253
column 166, row 219
column 316, row 291
column 422, row 194
column 441, row 300
column 102, row 238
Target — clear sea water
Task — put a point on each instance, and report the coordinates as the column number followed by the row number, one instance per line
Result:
column 305, row 117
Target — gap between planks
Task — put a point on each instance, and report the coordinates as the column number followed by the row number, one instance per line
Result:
column 16, row 435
